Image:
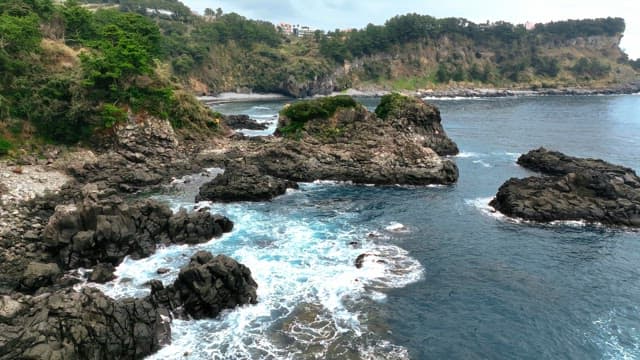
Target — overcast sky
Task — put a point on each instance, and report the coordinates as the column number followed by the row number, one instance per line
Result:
column 341, row 14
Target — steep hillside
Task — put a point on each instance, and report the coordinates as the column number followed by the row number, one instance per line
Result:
column 221, row 52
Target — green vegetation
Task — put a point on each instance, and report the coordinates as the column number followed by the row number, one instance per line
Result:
column 5, row 146
column 121, row 56
column 301, row 112
column 74, row 70
column 389, row 103
column 591, row 68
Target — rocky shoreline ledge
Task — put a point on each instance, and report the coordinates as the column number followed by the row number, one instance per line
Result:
column 86, row 212
column 571, row 188
column 444, row 92
column 402, row 142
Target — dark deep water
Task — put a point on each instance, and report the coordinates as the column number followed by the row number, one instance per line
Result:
column 456, row 282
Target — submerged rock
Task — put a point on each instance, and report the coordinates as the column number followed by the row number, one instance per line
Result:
column 243, row 184
column 574, row 189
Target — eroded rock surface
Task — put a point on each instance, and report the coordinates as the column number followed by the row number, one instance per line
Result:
column 206, row 286
column 573, row 189
column 400, row 147
column 105, row 230
column 243, row 183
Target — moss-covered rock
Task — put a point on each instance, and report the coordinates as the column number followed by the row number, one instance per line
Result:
column 294, row 116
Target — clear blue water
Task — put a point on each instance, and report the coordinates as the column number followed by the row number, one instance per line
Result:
column 453, row 281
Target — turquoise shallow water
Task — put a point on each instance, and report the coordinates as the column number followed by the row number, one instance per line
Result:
column 446, row 278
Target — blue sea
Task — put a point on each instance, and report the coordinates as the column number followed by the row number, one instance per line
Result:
column 444, row 278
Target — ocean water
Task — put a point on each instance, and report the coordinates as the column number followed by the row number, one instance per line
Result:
column 444, row 278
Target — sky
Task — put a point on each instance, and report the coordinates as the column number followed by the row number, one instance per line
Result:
column 343, row 14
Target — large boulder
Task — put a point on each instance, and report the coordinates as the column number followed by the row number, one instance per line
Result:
column 206, row 286
column 80, row 325
column 105, row 230
column 37, row 275
column 574, row 189
column 243, row 183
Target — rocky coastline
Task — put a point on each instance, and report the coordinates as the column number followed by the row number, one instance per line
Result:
column 85, row 211
column 444, row 92
column 405, row 145
column 571, row 189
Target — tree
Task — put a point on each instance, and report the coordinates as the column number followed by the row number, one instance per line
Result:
column 209, row 12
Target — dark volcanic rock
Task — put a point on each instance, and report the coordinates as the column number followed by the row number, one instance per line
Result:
column 207, row 286
column 575, row 189
column 243, row 122
column 355, row 145
column 102, row 273
column 66, row 324
column 243, row 184
column 80, row 325
column 37, row 275
column 106, row 230
column 413, row 115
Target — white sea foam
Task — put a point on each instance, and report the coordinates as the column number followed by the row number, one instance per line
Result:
column 616, row 337
column 467, row 154
column 483, row 163
column 396, row 227
column 454, row 98
column 309, row 288
column 482, row 204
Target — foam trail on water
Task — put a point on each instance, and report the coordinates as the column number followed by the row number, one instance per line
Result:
column 467, row 154
column 302, row 255
column 483, row 163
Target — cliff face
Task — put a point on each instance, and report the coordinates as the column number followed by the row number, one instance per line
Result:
column 449, row 61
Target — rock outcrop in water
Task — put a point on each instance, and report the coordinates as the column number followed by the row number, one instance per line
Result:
column 573, row 189
column 89, row 325
column 206, row 286
column 338, row 139
column 243, row 183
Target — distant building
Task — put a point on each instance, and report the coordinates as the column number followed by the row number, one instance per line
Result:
column 286, row 28
column 295, row 30
column 160, row 12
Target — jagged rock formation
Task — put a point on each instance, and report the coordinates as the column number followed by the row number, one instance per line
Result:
column 355, row 145
column 239, row 183
column 574, row 189
column 105, row 230
column 89, row 325
column 206, row 286
column 80, row 325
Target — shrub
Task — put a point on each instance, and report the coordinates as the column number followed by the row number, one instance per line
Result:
column 591, row 68
column 389, row 103
column 302, row 111
column 322, row 108
column 5, row 146
column 112, row 115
